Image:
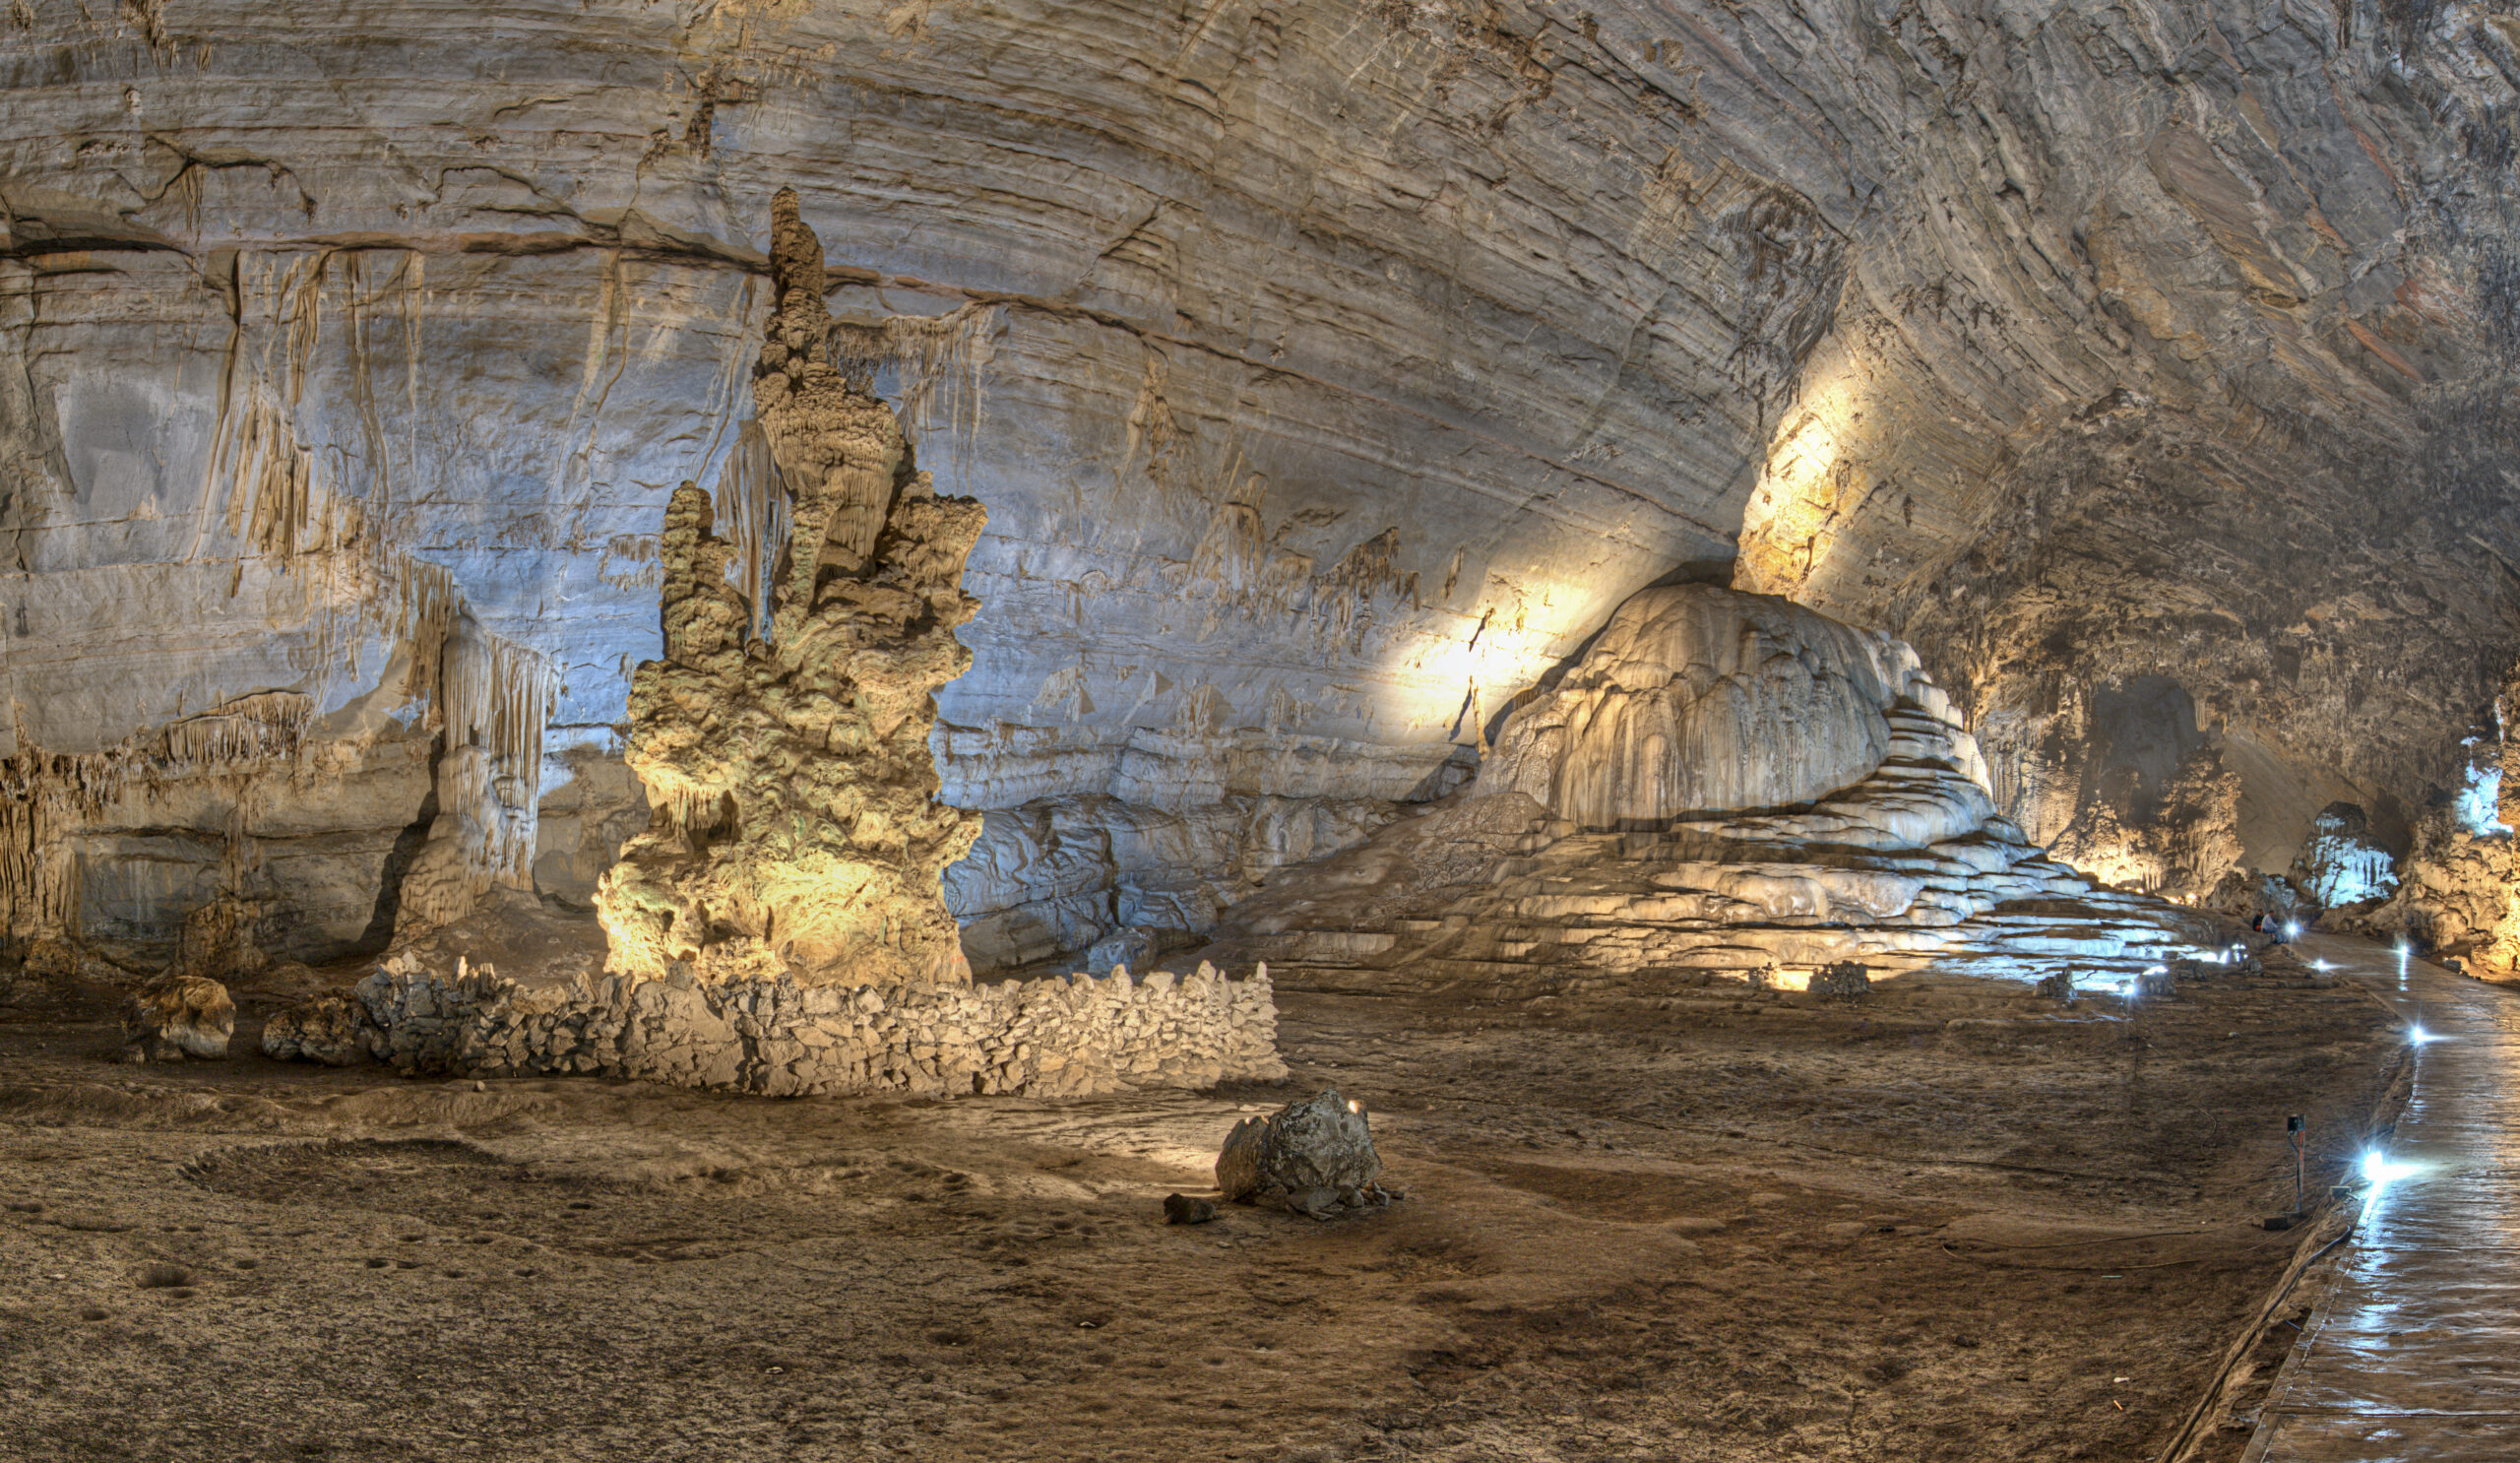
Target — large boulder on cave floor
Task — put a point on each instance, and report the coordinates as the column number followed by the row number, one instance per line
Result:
column 1308, row 1155
column 176, row 1016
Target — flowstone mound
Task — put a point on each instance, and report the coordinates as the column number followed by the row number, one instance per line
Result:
column 784, row 738
column 1696, row 698
column 1845, row 818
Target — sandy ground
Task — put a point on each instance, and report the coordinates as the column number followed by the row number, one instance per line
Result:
column 1692, row 1226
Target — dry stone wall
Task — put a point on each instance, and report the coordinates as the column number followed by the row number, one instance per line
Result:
column 1054, row 1037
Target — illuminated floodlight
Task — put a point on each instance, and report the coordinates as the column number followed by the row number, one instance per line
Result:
column 2418, row 1034
column 2292, row 929
column 2377, row 1167
column 2320, row 965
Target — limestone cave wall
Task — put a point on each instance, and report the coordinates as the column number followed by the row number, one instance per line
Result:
column 1329, row 371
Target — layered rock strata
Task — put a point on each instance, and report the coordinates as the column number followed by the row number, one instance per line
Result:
column 1344, row 364
column 1049, row 1037
column 783, row 742
column 1060, row 876
column 1878, row 844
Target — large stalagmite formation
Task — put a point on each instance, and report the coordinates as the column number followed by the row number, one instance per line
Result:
column 2147, row 364
column 784, row 738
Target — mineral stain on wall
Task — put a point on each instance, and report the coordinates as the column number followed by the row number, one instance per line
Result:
column 2173, row 344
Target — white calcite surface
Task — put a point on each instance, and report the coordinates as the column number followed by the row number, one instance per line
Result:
column 1897, row 860
column 1695, row 697
column 1327, row 373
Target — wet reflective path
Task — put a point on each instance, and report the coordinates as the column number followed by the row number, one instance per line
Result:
column 2414, row 1352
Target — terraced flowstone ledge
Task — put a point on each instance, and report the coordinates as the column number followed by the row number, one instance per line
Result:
column 1056, row 1036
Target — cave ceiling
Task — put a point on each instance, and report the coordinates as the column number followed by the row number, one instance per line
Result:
column 1329, row 372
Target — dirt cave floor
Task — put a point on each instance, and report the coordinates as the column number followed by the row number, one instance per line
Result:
column 1947, row 1223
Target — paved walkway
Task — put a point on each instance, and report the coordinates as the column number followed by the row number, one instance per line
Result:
column 2415, row 1353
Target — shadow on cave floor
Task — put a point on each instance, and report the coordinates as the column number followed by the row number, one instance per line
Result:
column 1948, row 1223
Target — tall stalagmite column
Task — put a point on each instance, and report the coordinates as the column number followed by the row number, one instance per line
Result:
column 797, row 824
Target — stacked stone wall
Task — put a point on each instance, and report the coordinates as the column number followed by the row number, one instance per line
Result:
column 1056, row 1036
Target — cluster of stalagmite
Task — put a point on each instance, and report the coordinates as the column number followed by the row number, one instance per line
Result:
column 779, row 926
column 2460, row 895
column 2456, row 892
column 783, row 738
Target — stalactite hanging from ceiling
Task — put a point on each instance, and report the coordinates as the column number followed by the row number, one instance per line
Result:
column 46, row 799
column 493, row 699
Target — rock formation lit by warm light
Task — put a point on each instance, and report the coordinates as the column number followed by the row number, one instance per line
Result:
column 784, row 738
column 1725, row 784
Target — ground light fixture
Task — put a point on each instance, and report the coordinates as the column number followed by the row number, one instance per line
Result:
column 2379, row 1168
column 2297, row 1131
column 2418, row 1034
